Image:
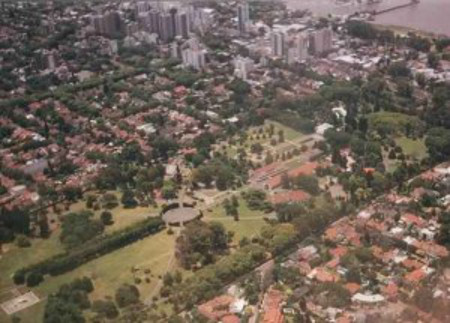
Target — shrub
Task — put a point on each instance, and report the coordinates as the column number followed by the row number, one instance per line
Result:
column 34, row 278
column 19, row 277
column 23, row 241
column 106, row 218
column 106, row 308
column 127, row 295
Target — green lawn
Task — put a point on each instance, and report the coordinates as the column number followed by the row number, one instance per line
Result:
column 15, row 258
column 121, row 217
column 413, row 148
column 110, row 271
column 231, row 150
column 249, row 224
column 289, row 133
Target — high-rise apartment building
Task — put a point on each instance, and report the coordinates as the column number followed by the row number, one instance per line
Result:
column 243, row 16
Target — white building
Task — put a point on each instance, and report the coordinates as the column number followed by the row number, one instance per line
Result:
column 193, row 58
column 321, row 41
column 243, row 66
column 301, row 45
column 278, row 44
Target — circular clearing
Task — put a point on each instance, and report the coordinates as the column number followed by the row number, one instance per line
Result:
column 180, row 215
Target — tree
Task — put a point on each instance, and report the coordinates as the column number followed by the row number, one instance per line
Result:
column 199, row 242
column 399, row 69
column 79, row 227
column 438, row 144
column 169, row 190
column 128, row 199
column 105, row 308
column 163, row 147
column 281, row 136
column 433, row 60
column 308, row 183
column 58, row 310
column 106, row 218
column 361, row 29
column 256, row 148
column 109, row 201
column 168, row 279
column 23, row 242
column 67, row 304
column 127, row 295
column 234, row 201
column 404, row 88
column 34, row 278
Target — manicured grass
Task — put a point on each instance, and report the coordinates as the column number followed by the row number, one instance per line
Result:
column 110, row 271
column 122, row 217
column 413, row 148
column 15, row 258
column 249, row 224
column 231, row 150
column 289, row 133
column 33, row 314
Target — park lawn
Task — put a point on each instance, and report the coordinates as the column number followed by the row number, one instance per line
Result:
column 249, row 224
column 289, row 133
column 122, row 217
column 15, row 258
column 110, row 271
column 413, row 148
column 33, row 314
column 231, row 150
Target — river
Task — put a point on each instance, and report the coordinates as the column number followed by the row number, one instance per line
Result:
column 428, row 15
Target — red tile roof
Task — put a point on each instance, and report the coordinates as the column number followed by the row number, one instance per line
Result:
column 338, row 251
column 216, row 308
column 290, row 197
column 390, row 290
column 272, row 307
column 415, row 276
column 230, row 319
column 352, row 287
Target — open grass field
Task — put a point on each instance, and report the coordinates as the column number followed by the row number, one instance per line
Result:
column 122, row 217
column 249, row 224
column 124, row 265
column 255, row 137
column 14, row 258
column 413, row 148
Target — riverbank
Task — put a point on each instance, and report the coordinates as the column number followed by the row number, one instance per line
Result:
column 403, row 30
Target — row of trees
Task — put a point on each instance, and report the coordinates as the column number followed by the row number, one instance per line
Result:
column 94, row 248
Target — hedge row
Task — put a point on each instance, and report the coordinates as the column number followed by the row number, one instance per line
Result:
column 67, row 261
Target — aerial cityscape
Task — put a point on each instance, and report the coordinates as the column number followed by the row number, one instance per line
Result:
column 271, row 161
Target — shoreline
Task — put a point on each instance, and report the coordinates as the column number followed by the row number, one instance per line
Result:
column 403, row 30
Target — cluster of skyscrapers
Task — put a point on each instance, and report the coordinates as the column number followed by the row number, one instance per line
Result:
column 165, row 22
column 297, row 46
column 109, row 24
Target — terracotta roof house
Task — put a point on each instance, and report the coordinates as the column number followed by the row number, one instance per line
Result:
column 216, row 308
column 296, row 196
column 272, row 307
